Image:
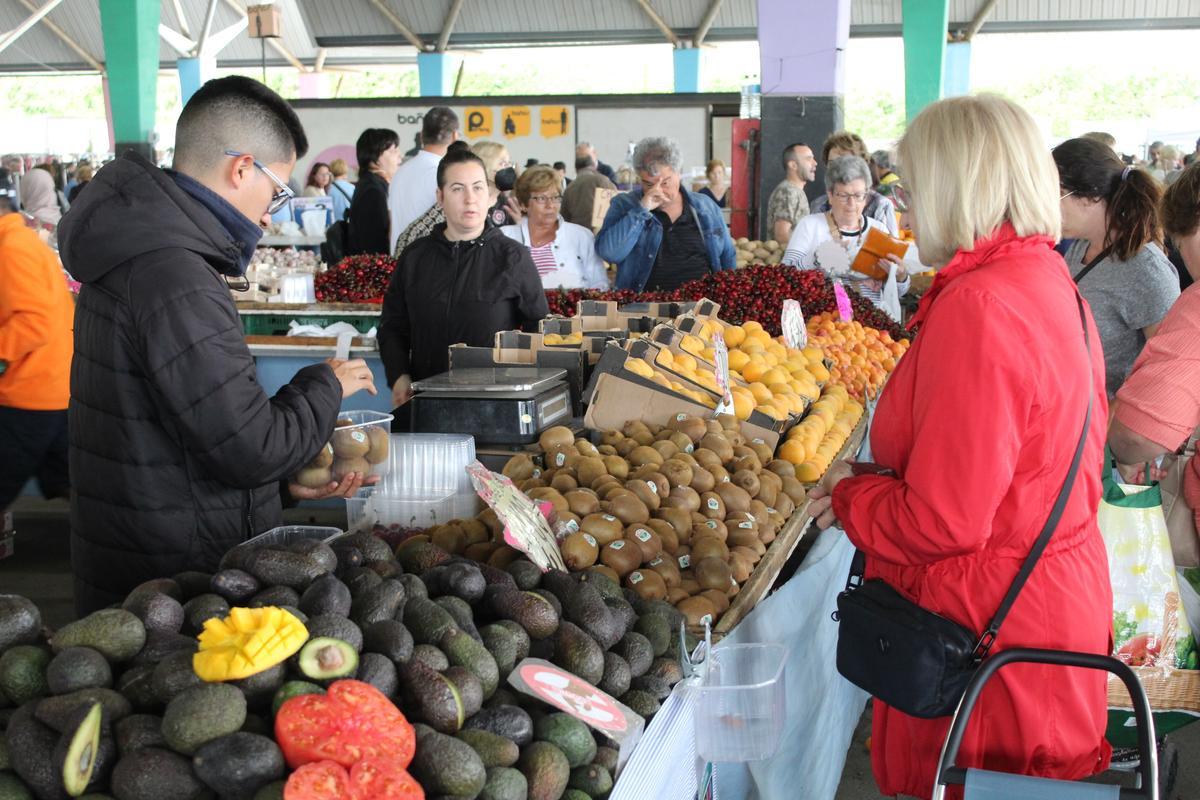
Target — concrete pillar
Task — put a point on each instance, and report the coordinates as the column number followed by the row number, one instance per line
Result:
column 957, row 75
column 687, row 69
column 924, row 25
column 803, row 80
column 310, row 85
column 194, row 73
column 435, row 74
column 131, row 47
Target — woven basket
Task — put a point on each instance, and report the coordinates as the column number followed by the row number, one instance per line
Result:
column 1168, row 690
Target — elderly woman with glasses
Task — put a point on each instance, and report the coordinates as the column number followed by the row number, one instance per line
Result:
column 847, row 181
column 564, row 253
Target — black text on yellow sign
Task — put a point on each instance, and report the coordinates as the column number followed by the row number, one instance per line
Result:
column 515, row 121
column 478, row 121
column 555, row 121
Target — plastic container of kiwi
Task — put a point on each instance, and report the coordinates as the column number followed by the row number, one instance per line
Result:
column 361, row 442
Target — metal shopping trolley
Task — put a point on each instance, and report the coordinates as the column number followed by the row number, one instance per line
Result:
column 980, row 784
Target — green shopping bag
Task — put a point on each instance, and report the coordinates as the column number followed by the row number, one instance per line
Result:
column 1150, row 628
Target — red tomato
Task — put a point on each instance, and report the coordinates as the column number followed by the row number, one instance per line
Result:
column 320, row 780
column 383, row 779
column 351, row 721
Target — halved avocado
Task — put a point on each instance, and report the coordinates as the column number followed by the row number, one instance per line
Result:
column 325, row 658
column 78, row 748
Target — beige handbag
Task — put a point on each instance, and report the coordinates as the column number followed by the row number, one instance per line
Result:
column 1181, row 518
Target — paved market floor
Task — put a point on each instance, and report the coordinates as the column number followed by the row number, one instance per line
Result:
column 40, row 570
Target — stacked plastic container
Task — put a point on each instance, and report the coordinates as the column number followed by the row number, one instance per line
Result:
column 426, row 484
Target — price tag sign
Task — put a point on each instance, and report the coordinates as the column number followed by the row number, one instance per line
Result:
column 795, row 334
column 845, row 311
column 525, row 527
column 721, row 354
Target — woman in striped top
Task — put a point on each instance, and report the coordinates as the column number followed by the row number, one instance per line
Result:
column 564, row 253
column 847, row 180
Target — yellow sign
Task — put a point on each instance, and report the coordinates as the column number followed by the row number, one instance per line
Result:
column 555, row 121
column 478, row 121
column 515, row 121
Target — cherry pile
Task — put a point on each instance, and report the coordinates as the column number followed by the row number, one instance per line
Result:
column 355, row 279
column 754, row 293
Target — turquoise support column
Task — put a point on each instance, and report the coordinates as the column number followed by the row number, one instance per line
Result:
column 687, row 69
column 434, row 74
column 925, row 23
column 957, row 74
column 130, row 30
column 194, row 73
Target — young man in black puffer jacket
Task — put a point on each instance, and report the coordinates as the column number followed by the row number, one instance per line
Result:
column 176, row 452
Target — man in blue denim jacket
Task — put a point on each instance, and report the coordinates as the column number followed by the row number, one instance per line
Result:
column 660, row 235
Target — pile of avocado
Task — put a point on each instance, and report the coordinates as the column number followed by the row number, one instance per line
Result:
column 110, row 706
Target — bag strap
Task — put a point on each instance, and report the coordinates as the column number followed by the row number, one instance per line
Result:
column 1091, row 265
column 1056, row 512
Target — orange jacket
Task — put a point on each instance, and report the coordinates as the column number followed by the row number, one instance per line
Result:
column 36, row 321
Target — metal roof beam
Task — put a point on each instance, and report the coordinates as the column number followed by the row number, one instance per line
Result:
column 319, row 66
column 30, row 21
column 399, row 25
column 66, row 39
column 181, row 44
column 206, row 29
column 448, row 25
column 710, row 16
column 659, row 22
column 981, row 16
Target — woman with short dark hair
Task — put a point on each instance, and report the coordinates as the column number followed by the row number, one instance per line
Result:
column 378, row 158
column 320, row 176
column 1111, row 210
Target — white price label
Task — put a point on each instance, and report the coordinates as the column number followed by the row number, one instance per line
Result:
column 795, row 334
column 721, row 354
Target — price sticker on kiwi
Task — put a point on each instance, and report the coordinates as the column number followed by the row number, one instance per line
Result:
column 721, row 355
column 525, row 527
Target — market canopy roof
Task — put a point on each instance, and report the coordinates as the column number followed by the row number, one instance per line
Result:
column 357, row 32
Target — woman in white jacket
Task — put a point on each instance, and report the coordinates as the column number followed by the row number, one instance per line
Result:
column 563, row 252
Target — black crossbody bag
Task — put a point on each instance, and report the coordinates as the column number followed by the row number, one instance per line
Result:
column 910, row 658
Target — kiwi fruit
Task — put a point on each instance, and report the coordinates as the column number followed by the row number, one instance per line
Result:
column 707, row 458
column 314, row 477
column 747, row 480
column 616, row 466
column 518, row 468
column 687, row 459
column 702, row 480
column 324, row 457
column 784, row 505
column 344, row 466
column 747, row 553
column 677, row 472
column 563, row 481
column 645, row 455
column 736, row 439
column 606, row 490
column 645, row 539
column 558, row 457
column 666, row 534
column 736, row 498
column 710, row 527
column 794, row 489
column 627, row 507
column 645, row 492
column 713, row 426
column 660, row 483
column 606, row 450
column 606, row 571
column 712, row 506
column 697, row 610
column 692, row 427
column 611, row 438
column 580, row 551
column 551, row 496
column 351, row 443
column 687, row 581
column 604, row 528
column 729, row 422
column 480, row 552
column 709, row 547
column 586, row 448
column 684, row 497
column 667, row 567
column 648, row 584
column 676, row 594
column 476, row 531
column 740, row 566
column 768, row 492
column 719, row 445
column 678, row 518
column 718, row 598
column 604, row 480
column 635, row 428
column 666, row 449
column 781, row 468
column 582, row 502
column 621, row 556
column 555, row 437
column 627, row 446
column 378, row 442
column 742, row 538
column 711, row 572
column 588, row 469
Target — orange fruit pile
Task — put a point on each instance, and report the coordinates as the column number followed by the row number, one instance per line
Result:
column 862, row 357
column 813, row 443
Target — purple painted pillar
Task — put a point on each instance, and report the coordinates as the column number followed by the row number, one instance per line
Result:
column 802, row 46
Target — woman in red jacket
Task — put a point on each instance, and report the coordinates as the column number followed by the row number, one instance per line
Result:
column 979, row 422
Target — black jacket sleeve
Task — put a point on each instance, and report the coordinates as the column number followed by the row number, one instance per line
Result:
column 196, row 359
column 369, row 219
column 394, row 335
column 531, row 294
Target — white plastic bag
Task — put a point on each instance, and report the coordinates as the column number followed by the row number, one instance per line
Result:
column 890, row 300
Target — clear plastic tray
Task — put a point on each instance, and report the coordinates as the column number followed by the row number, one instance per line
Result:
column 740, row 703
column 414, row 512
column 360, row 432
column 428, row 464
column 291, row 533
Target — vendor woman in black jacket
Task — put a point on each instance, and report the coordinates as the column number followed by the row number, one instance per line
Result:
column 462, row 283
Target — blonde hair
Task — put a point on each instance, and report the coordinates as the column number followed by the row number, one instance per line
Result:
column 972, row 164
column 339, row 168
column 489, row 154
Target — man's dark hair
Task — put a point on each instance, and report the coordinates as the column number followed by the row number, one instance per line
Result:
column 584, row 162
column 439, row 126
column 453, row 157
column 371, row 144
column 560, row 165
column 240, row 114
column 789, row 154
